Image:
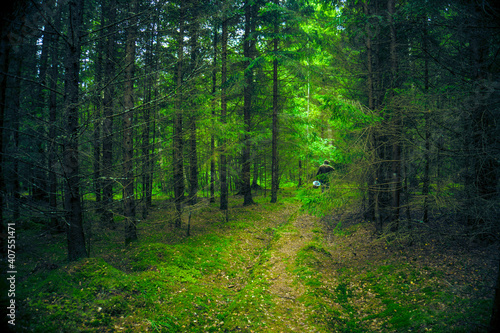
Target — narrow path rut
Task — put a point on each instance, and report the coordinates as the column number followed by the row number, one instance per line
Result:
column 283, row 283
column 267, row 285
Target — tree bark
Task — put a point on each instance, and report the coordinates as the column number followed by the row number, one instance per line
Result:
column 178, row 142
column 4, row 68
column 426, row 179
column 380, row 190
column 40, row 190
column 148, row 121
column 214, row 106
column 299, row 184
column 108, row 107
column 73, row 206
column 396, row 138
column 193, row 148
column 17, row 65
column 223, row 158
column 128, row 140
column 54, row 147
column 481, row 120
column 146, row 150
column 248, row 48
column 193, row 162
column 495, row 313
column 97, row 144
column 274, row 140
column 485, row 166
column 371, row 190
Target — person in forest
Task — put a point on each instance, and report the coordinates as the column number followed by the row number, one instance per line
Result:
column 323, row 174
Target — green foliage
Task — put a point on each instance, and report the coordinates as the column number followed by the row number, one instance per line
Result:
column 337, row 196
column 327, row 72
column 346, row 114
column 339, row 231
column 219, row 280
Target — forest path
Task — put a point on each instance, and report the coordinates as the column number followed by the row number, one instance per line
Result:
column 260, row 268
column 264, row 283
column 283, row 282
column 280, row 270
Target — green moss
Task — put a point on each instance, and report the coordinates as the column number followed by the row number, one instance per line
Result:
column 217, row 280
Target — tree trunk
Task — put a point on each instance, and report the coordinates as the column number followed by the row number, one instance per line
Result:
column 108, row 106
column 485, row 166
column 178, row 158
column 97, row 144
column 4, row 68
column 223, row 159
column 212, row 136
column 396, row 148
column 54, row 147
column 128, row 140
column 256, row 168
column 482, row 120
column 489, row 190
column 371, row 189
column 193, row 162
column 380, row 199
column 40, row 190
column 147, row 149
column 193, row 149
column 17, row 115
column 248, row 47
column 274, row 143
column 299, row 184
column 495, row 313
column 74, row 219
column 426, row 179
column 152, row 124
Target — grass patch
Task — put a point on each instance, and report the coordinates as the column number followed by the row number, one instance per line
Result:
column 167, row 282
column 219, row 279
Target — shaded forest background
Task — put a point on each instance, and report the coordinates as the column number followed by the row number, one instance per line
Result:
column 107, row 104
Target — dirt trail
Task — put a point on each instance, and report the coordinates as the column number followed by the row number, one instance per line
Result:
column 284, row 284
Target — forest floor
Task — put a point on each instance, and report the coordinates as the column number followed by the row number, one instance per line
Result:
column 262, row 268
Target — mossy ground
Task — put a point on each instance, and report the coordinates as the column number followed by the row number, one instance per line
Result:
column 269, row 268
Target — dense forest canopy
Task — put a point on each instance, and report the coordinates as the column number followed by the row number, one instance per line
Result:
column 106, row 105
column 117, row 102
column 113, row 103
